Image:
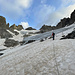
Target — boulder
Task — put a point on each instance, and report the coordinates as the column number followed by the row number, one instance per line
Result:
column 19, row 27
column 5, row 34
column 3, row 27
column 63, row 23
column 11, row 43
column 46, row 28
column 13, row 27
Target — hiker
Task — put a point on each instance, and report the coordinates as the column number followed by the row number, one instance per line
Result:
column 53, row 35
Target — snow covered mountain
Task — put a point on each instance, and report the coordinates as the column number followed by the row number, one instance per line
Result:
column 41, row 58
column 19, row 37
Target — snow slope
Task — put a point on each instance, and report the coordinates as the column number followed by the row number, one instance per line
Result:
column 40, row 58
column 11, row 32
column 18, row 37
column 48, row 34
column 2, row 44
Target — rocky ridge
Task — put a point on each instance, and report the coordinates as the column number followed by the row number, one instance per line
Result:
column 63, row 22
column 3, row 28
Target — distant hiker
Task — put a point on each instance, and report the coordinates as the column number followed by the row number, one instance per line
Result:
column 53, row 35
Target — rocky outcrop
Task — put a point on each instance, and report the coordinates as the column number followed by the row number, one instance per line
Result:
column 2, row 22
column 46, row 28
column 3, row 27
column 7, row 26
column 63, row 23
column 19, row 27
column 30, row 28
column 11, row 43
column 70, row 35
column 66, row 21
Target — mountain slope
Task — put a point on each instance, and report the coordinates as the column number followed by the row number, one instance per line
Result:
column 41, row 58
column 48, row 34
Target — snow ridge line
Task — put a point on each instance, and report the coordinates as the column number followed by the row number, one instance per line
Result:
column 55, row 59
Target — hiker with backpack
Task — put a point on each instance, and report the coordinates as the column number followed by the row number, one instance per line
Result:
column 53, row 35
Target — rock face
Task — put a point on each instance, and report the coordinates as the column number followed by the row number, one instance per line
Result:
column 7, row 26
column 19, row 27
column 46, row 28
column 2, row 22
column 66, row 21
column 11, row 43
column 13, row 27
column 3, row 27
column 30, row 28
column 5, row 34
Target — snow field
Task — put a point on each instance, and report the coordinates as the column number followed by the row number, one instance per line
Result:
column 38, row 59
column 2, row 44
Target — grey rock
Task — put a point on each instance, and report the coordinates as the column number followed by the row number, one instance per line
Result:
column 3, row 27
column 11, row 43
column 5, row 34
column 69, row 36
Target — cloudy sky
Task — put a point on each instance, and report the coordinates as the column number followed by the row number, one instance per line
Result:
column 35, row 13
